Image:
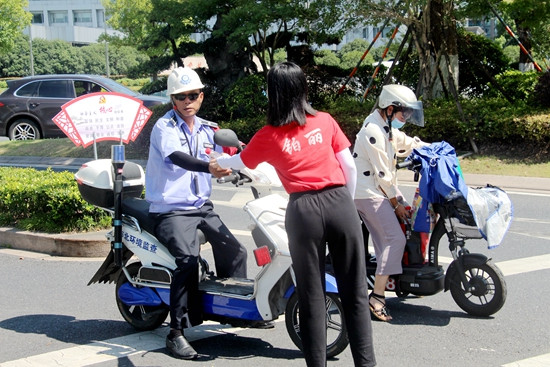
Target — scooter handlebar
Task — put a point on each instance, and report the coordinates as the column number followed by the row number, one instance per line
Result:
column 237, row 178
column 414, row 166
column 404, row 164
column 232, row 178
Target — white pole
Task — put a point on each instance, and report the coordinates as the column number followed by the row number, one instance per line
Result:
column 106, row 46
column 31, row 54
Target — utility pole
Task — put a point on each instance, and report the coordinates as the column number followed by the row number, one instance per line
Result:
column 108, row 72
column 30, row 46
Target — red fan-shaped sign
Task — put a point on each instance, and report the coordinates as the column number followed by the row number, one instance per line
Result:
column 102, row 116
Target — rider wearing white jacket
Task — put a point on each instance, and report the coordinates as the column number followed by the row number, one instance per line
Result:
column 377, row 196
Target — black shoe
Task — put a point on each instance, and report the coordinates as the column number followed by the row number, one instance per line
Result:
column 179, row 347
column 263, row 325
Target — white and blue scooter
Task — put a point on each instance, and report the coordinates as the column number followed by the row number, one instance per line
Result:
column 142, row 267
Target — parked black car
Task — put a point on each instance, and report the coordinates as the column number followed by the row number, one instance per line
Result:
column 29, row 104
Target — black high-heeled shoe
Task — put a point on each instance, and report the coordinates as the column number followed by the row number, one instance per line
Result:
column 380, row 313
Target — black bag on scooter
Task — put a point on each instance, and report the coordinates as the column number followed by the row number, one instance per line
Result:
column 413, row 249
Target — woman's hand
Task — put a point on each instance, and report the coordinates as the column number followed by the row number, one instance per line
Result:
column 401, row 212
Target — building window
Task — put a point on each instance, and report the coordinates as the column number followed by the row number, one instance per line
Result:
column 100, row 14
column 82, row 17
column 37, row 18
column 58, row 17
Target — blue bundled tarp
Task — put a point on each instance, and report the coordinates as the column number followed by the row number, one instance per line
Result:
column 441, row 179
column 489, row 208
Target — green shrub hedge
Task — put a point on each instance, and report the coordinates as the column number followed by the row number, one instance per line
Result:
column 489, row 121
column 46, row 201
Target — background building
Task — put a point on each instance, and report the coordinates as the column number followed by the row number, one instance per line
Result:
column 79, row 22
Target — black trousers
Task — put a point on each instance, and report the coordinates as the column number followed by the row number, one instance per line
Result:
column 178, row 232
column 314, row 219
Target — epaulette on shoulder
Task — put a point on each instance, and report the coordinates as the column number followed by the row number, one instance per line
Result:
column 209, row 123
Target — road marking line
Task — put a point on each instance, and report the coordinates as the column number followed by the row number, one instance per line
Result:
column 525, row 265
column 113, row 349
column 530, row 235
column 516, row 266
column 530, row 220
column 539, row 361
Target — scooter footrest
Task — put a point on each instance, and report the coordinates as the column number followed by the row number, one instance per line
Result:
column 242, row 287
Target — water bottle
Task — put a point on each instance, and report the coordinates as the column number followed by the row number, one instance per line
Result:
column 212, row 153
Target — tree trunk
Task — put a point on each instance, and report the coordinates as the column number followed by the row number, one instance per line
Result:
column 435, row 38
column 226, row 65
column 442, row 29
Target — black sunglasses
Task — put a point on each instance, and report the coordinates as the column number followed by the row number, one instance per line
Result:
column 182, row 97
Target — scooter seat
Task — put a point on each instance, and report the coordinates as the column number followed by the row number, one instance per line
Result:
column 139, row 209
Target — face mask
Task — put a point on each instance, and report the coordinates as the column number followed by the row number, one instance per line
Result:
column 397, row 124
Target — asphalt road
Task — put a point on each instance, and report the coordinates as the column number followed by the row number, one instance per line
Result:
column 51, row 318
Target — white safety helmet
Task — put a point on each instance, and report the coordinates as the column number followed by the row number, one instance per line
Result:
column 404, row 98
column 183, row 79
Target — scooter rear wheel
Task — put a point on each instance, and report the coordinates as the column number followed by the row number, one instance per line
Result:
column 488, row 292
column 140, row 317
column 337, row 335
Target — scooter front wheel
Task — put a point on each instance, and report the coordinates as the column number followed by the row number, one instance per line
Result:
column 337, row 335
column 486, row 291
column 140, row 317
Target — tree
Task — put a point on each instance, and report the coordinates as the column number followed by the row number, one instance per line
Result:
column 13, row 19
column 236, row 30
column 433, row 34
column 326, row 57
column 162, row 29
column 268, row 25
column 529, row 18
column 93, row 57
column 56, row 57
column 155, row 27
column 16, row 62
column 481, row 60
column 61, row 57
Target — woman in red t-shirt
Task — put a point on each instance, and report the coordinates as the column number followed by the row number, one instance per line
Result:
column 312, row 158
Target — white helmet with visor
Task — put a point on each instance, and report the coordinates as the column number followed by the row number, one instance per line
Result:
column 403, row 99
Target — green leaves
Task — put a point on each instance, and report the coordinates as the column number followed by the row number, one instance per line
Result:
column 13, row 18
column 59, row 57
column 45, row 201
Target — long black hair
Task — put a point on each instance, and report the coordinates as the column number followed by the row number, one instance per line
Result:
column 287, row 95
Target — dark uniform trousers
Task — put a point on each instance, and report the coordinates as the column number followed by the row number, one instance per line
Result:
column 314, row 219
column 177, row 230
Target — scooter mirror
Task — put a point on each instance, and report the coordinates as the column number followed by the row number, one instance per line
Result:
column 227, row 138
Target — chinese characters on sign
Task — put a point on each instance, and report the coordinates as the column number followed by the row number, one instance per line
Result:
column 102, row 116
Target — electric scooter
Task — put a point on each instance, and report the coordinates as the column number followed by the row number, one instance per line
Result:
column 142, row 267
column 476, row 284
